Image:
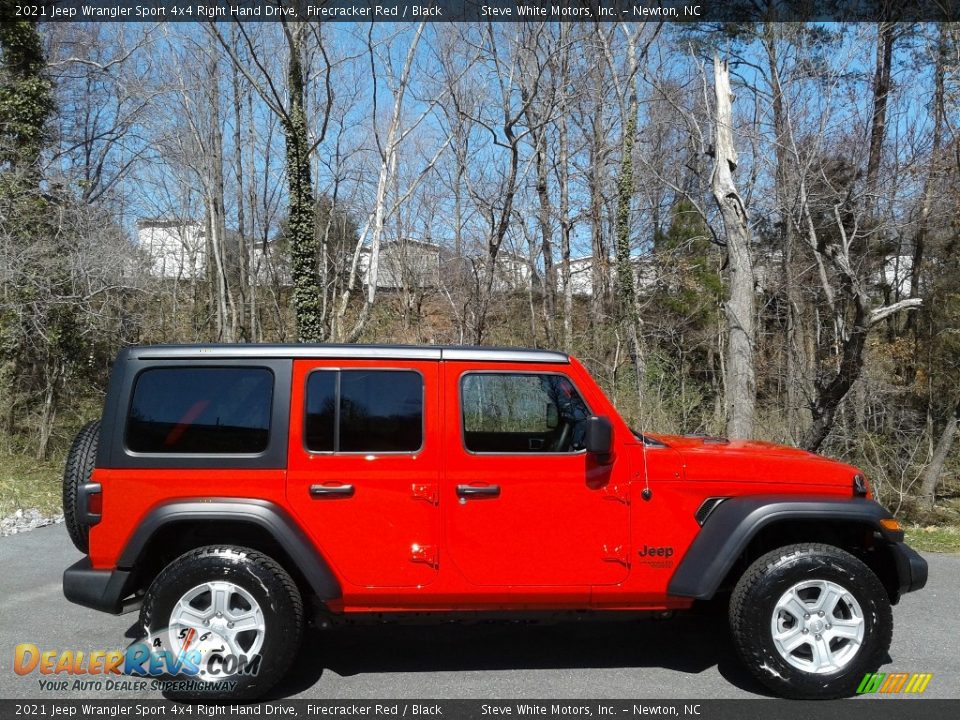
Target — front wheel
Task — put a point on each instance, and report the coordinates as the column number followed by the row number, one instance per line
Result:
column 810, row 621
column 229, row 617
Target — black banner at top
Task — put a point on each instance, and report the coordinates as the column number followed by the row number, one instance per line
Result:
column 738, row 11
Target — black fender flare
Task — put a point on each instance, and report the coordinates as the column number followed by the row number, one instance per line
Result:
column 732, row 524
column 264, row 514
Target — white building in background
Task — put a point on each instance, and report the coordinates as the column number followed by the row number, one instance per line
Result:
column 411, row 264
column 174, row 248
column 896, row 274
column 512, row 272
column 581, row 274
column 404, row 264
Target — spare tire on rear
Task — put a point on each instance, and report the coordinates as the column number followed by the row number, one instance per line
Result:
column 78, row 470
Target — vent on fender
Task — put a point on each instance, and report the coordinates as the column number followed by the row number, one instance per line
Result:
column 707, row 507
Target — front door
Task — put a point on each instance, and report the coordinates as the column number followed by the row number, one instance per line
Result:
column 364, row 467
column 524, row 505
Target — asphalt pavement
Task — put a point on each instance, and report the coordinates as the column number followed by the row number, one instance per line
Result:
column 686, row 657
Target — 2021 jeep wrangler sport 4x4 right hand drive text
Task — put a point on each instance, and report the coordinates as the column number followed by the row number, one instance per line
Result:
column 231, row 491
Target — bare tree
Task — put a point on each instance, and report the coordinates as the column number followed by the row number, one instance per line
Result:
column 629, row 316
column 199, row 109
column 834, row 248
column 740, row 368
column 99, row 71
column 384, row 207
column 933, row 472
column 934, row 170
column 291, row 110
column 539, row 94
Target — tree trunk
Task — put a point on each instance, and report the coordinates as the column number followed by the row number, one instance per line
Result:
column 599, row 262
column 303, row 239
column 599, row 270
column 243, row 320
column 565, row 231
column 256, row 265
column 792, row 349
column 923, row 223
column 931, row 476
column 831, row 394
column 499, row 214
column 49, row 412
column 740, row 310
column 226, row 309
column 626, row 288
column 209, row 271
column 546, row 235
column 389, row 156
column 881, row 90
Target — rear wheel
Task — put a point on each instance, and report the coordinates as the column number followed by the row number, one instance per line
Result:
column 77, row 471
column 810, row 620
column 235, row 614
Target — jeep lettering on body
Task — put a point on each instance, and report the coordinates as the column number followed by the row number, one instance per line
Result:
column 228, row 492
column 650, row 551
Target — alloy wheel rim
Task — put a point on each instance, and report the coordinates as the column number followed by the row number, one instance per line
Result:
column 818, row 626
column 217, row 618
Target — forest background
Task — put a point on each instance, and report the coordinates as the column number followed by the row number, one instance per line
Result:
column 745, row 229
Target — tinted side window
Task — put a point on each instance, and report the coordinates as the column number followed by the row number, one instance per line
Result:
column 201, row 410
column 522, row 413
column 364, row 411
column 321, row 410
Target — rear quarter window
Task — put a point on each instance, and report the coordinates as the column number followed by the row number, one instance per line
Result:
column 202, row 410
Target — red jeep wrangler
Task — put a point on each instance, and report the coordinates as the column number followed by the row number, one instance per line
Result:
column 232, row 492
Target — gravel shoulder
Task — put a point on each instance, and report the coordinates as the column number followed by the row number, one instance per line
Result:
column 23, row 521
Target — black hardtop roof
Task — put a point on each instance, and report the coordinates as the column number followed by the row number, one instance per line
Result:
column 345, row 351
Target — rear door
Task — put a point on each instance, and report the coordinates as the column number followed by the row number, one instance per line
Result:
column 524, row 504
column 364, row 467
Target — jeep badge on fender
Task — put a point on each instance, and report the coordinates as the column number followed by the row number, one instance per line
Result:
column 229, row 493
column 650, row 551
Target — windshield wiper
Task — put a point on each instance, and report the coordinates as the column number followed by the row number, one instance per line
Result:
column 647, row 440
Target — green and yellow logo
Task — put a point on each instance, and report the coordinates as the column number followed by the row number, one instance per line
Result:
column 894, row 683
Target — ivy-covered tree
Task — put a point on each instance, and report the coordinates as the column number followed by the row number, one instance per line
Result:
column 26, row 97
column 46, row 335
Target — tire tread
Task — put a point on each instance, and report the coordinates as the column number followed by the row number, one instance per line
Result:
column 747, row 644
column 293, row 626
column 78, row 469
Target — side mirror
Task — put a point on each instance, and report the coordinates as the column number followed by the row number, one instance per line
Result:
column 598, row 439
column 552, row 419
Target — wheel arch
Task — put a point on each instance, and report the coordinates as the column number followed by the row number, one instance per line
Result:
column 174, row 528
column 740, row 529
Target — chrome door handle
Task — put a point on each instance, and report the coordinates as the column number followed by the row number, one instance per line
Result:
column 478, row 491
column 322, row 492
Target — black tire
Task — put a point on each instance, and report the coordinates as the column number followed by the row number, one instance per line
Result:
column 756, row 596
column 270, row 585
column 77, row 471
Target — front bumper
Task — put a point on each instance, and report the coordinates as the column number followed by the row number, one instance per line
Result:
column 911, row 568
column 104, row 590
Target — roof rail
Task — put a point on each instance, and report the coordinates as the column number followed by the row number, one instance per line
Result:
column 348, row 351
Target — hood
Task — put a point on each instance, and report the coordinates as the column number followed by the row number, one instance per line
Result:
column 708, row 458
